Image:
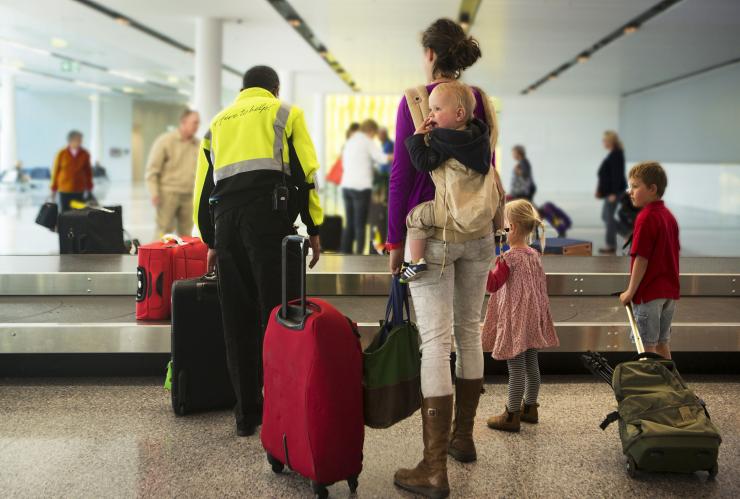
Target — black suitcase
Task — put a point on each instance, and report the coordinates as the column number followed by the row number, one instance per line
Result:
column 200, row 378
column 91, row 230
column 331, row 233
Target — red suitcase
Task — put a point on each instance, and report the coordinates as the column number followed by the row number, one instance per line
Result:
column 312, row 415
column 160, row 264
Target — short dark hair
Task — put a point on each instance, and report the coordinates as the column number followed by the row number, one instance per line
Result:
column 261, row 76
column 74, row 134
column 650, row 173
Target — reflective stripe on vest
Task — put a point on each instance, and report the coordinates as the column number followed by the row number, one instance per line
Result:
column 250, row 165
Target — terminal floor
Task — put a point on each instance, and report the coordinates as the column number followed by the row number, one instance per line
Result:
column 703, row 233
column 119, row 438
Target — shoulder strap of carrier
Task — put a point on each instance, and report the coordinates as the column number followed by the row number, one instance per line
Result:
column 417, row 99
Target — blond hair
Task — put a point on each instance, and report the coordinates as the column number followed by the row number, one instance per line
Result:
column 613, row 137
column 650, row 173
column 522, row 213
column 369, row 126
column 462, row 94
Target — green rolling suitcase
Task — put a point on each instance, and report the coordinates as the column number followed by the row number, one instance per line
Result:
column 663, row 425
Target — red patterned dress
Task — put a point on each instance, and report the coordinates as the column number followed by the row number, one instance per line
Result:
column 518, row 315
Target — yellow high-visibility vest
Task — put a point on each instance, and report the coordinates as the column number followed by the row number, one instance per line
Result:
column 252, row 135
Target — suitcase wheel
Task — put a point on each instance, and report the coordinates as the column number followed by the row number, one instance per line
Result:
column 631, row 467
column 319, row 490
column 277, row 466
column 352, row 482
column 713, row 471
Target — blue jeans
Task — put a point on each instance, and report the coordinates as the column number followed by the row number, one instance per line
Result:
column 356, row 206
column 607, row 215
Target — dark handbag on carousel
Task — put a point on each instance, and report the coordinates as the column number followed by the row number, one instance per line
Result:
column 48, row 216
column 392, row 365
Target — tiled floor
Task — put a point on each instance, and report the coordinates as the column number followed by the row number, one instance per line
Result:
column 119, row 438
column 703, row 233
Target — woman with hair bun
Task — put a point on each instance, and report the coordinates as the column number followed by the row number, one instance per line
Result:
column 450, row 295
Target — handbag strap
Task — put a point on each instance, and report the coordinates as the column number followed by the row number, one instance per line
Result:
column 398, row 303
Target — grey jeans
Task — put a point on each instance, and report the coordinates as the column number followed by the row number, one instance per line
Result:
column 448, row 300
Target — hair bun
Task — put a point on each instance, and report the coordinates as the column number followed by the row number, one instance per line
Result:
column 466, row 51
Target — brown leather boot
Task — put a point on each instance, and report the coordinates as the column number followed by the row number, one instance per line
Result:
column 507, row 421
column 429, row 478
column 467, row 395
column 529, row 413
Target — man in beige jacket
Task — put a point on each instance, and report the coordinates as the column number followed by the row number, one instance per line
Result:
column 170, row 176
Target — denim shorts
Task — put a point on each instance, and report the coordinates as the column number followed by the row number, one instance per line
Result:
column 654, row 320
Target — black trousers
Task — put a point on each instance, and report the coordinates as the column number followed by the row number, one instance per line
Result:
column 356, row 206
column 65, row 198
column 249, row 245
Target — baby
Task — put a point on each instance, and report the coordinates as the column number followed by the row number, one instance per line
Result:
column 452, row 138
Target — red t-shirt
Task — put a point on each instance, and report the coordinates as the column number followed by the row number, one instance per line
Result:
column 656, row 239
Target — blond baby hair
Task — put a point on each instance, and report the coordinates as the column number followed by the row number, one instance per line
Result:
column 462, row 94
column 522, row 213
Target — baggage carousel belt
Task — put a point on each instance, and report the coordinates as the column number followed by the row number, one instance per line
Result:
column 367, row 309
column 108, row 275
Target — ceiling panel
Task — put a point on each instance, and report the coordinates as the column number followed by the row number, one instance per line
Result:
column 378, row 40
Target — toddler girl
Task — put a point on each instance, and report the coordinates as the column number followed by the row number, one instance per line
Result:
column 518, row 321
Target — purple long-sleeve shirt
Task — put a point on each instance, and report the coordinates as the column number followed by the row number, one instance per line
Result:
column 409, row 187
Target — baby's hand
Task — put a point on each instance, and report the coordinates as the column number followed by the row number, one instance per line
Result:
column 425, row 127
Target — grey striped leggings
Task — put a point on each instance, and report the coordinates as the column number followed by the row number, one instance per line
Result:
column 524, row 379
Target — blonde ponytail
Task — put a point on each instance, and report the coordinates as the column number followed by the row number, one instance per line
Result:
column 524, row 214
column 542, row 235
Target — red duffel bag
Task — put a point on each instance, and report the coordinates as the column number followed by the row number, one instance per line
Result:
column 160, row 264
column 312, row 417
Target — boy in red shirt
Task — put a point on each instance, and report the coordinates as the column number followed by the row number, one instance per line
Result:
column 654, row 284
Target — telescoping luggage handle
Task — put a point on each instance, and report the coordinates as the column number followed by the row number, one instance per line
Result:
column 635, row 331
column 292, row 316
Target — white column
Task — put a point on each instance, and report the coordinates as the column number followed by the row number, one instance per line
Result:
column 286, row 86
column 318, row 132
column 8, row 152
column 208, row 60
column 96, row 130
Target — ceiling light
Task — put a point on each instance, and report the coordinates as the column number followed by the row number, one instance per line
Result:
column 294, row 21
column 583, row 58
column 173, row 79
column 58, row 43
column 464, row 21
column 123, row 21
column 129, row 90
column 25, row 47
column 93, row 86
column 628, row 30
column 184, row 92
column 126, row 75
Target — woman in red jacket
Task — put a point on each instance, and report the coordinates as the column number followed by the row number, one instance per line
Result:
column 72, row 173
